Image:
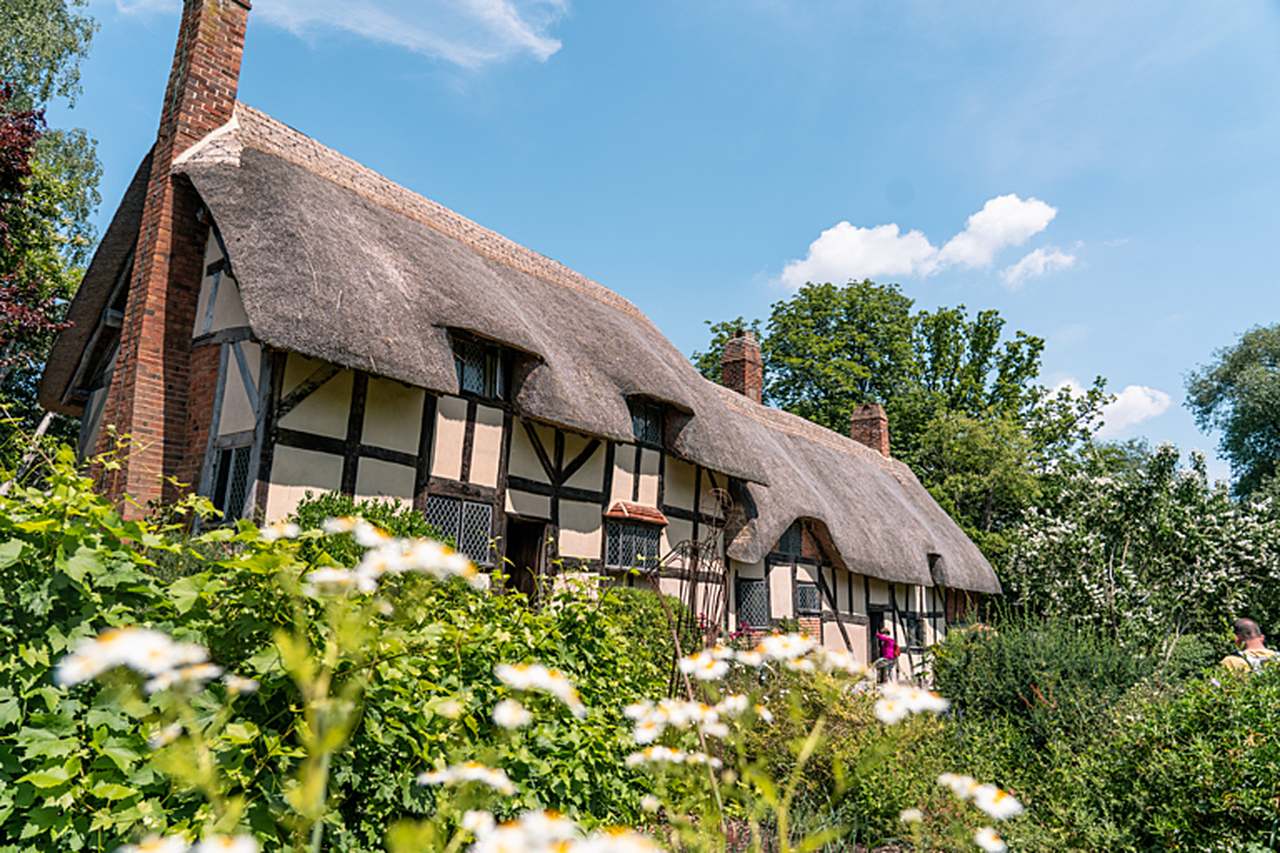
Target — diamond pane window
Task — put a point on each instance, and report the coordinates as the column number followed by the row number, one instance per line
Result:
column 231, row 480
column 632, row 545
column 807, row 600
column 646, row 422
column 481, row 369
column 753, row 603
column 467, row 523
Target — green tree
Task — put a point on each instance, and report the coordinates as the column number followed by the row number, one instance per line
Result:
column 46, row 219
column 1238, row 393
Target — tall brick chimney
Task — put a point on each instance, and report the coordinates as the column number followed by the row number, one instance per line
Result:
column 156, row 364
column 742, row 366
column 870, row 426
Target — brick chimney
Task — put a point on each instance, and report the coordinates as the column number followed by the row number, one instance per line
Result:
column 741, row 365
column 870, row 426
column 156, row 364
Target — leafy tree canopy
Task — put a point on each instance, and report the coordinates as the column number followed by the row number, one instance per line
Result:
column 1238, row 393
column 41, row 45
column 965, row 407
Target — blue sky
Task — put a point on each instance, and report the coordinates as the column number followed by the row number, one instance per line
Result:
column 701, row 156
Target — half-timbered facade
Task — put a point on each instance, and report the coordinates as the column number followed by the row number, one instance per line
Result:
column 267, row 319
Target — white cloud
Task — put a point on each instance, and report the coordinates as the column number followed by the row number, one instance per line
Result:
column 1004, row 221
column 469, row 33
column 1135, row 404
column 1035, row 264
column 846, row 251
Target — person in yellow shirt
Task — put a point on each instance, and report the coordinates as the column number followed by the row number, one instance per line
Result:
column 1253, row 654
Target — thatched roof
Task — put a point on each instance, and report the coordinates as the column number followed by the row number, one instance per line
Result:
column 338, row 263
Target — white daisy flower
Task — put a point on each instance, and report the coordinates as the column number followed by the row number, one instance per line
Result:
column 226, row 844
column 238, row 684
column 1001, row 805
column 328, row 581
column 165, row 736
column 478, row 822
column 369, row 536
column 616, row 840
column 546, row 828
column 156, row 844
column 764, row 713
column 141, row 649
column 785, row 646
column 911, row 816
column 536, row 677
column 470, row 771
column 655, row 755
column 752, row 658
column 195, row 676
column 733, row 705
column 650, row 803
column 890, row 711
column 450, row 709
column 704, row 666
column 648, row 730
column 989, row 840
column 280, row 530
column 510, row 714
column 343, row 524
column 963, row 787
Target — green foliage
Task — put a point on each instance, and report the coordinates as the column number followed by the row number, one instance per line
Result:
column 1238, row 393
column 1144, row 547
column 75, row 768
column 392, row 516
column 41, row 45
column 965, row 410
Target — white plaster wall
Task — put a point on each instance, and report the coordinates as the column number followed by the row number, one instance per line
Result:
column 680, row 478
column 392, row 416
column 531, row 506
column 323, row 412
column 649, row 462
column 523, row 461
column 780, row 603
column 747, row 570
column 295, row 472
column 708, row 502
column 580, row 529
column 677, row 530
column 879, row 591
column 623, row 462
column 486, row 449
column 591, row 474
column 451, row 430
column 237, row 409
column 806, row 572
column 378, row 479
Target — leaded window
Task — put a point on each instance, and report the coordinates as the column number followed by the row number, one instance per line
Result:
column 481, row 369
column 231, row 480
column 753, row 603
column 630, row 545
column 646, row 422
column 807, row 598
column 468, row 523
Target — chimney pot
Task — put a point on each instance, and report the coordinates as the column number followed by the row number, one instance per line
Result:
column 870, row 426
column 742, row 366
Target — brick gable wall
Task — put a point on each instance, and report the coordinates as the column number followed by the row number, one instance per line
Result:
column 156, row 382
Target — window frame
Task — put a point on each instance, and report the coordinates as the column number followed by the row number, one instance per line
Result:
column 496, row 367
column 650, row 530
column 795, row 598
column 222, row 483
column 654, row 415
column 463, row 504
column 738, row 583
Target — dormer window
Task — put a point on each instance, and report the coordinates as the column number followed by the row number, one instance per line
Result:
column 646, row 422
column 482, row 368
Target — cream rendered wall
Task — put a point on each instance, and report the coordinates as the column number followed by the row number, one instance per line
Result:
column 650, row 460
column 677, row 530
column 486, row 447
column 523, row 461
column 326, row 410
column 805, row 572
column 451, row 431
column 833, row 639
column 623, row 462
column 780, row 604
column 295, row 472
column 879, row 591
column 708, row 502
column 392, row 416
column 580, row 530
column 530, row 506
column 228, row 309
column 679, row 488
column 378, row 479
column 591, row 474
column 238, row 413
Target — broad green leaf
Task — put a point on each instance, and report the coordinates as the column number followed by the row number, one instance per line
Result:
column 50, row 777
column 112, row 791
column 10, row 552
column 84, row 562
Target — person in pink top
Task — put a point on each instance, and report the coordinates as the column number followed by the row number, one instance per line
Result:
column 888, row 653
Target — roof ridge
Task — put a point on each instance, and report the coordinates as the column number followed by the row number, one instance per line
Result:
column 259, row 130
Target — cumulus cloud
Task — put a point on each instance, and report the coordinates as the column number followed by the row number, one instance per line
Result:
column 469, row 33
column 1035, row 264
column 846, row 251
column 1132, row 406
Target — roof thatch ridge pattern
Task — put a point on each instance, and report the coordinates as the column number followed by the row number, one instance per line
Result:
column 261, row 131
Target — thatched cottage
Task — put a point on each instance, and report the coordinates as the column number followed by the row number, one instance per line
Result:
column 265, row 317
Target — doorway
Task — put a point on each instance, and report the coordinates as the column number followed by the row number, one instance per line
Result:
column 525, row 540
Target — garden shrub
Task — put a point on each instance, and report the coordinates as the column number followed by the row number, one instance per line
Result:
column 75, row 768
